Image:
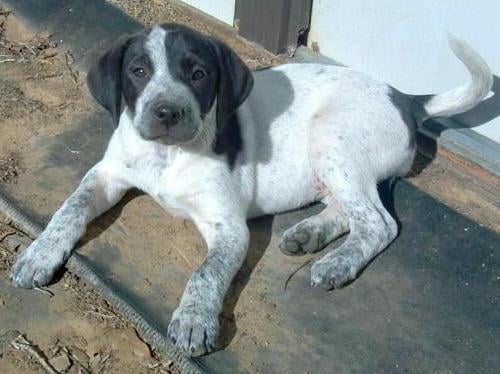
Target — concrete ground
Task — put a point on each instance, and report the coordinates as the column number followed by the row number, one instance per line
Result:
column 428, row 304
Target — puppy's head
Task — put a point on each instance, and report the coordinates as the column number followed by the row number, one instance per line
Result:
column 171, row 78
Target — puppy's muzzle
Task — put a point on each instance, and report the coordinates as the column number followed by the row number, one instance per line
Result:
column 172, row 123
column 169, row 115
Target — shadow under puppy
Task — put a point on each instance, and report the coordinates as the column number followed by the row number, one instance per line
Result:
column 210, row 140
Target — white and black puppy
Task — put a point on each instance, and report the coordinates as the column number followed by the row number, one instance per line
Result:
column 210, row 140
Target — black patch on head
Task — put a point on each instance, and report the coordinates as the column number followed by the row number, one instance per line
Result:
column 188, row 53
column 107, row 78
column 225, row 76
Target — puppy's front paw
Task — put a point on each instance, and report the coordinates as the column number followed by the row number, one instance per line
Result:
column 194, row 330
column 333, row 272
column 36, row 265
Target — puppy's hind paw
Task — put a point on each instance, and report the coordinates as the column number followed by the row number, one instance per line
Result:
column 305, row 237
column 334, row 272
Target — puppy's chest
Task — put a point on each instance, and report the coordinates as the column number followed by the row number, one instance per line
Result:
column 143, row 167
column 164, row 177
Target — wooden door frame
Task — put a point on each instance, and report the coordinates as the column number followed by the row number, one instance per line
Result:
column 278, row 25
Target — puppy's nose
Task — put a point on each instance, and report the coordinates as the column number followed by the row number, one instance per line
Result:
column 169, row 114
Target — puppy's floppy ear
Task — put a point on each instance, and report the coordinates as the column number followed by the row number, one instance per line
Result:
column 105, row 78
column 234, row 86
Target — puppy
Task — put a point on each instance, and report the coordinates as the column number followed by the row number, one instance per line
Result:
column 212, row 141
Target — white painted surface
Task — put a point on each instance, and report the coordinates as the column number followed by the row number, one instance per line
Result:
column 404, row 43
column 220, row 9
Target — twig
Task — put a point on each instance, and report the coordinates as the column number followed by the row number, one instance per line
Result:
column 39, row 76
column 29, row 47
column 295, row 272
column 185, row 258
column 7, row 234
column 8, row 60
column 51, row 55
column 21, row 344
column 45, row 291
column 106, row 358
column 73, row 75
column 72, row 151
column 96, row 313
column 81, row 366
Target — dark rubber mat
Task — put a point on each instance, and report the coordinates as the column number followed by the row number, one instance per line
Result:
column 430, row 303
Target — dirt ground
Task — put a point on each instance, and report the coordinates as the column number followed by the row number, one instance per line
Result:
column 40, row 96
column 40, row 93
column 38, row 89
column 86, row 336
column 71, row 329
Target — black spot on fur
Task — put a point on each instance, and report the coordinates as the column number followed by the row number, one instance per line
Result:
column 187, row 51
column 105, row 79
column 227, row 78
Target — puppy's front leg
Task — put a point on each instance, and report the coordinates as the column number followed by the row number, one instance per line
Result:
column 195, row 324
column 97, row 192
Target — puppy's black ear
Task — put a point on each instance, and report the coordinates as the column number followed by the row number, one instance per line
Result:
column 234, row 86
column 105, row 81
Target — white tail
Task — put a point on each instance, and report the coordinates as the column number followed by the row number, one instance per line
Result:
column 465, row 97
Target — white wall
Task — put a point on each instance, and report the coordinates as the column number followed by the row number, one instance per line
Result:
column 403, row 42
column 220, row 9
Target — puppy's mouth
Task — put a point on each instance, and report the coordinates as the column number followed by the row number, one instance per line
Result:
column 169, row 136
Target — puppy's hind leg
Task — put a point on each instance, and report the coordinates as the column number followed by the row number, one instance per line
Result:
column 316, row 232
column 372, row 229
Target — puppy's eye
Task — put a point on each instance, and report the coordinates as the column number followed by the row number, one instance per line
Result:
column 198, row 74
column 139, row 72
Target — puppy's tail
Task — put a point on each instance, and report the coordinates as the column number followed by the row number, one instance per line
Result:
column 462, row 98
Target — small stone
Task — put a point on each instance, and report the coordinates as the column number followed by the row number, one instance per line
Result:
column 138, row 347
column 50, row 52
column 44, row 34
column 60, row 363
column 127, row 340
column 79, row 355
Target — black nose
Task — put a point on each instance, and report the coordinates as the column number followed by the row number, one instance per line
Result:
column 169, row 114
